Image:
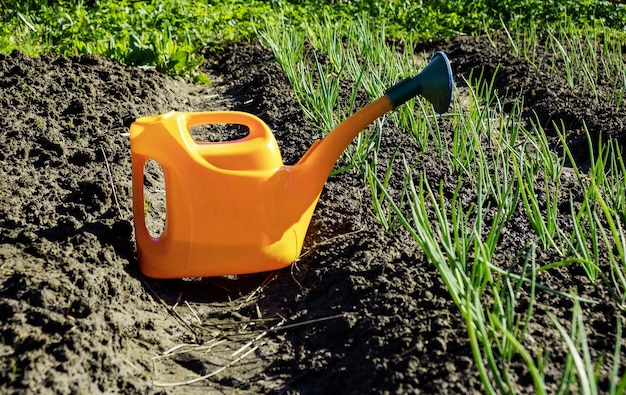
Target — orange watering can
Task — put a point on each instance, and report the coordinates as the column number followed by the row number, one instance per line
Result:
column 234, row 207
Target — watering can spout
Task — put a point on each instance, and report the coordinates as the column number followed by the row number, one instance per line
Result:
column 434, row 83
column 323, row 154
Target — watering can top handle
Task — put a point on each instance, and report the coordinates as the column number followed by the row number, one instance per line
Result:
column 256, row 126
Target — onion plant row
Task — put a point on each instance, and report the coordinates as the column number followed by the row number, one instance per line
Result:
column 508, row 169
column 583, row 54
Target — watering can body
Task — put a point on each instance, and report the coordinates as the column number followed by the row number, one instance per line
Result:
column 230, row 207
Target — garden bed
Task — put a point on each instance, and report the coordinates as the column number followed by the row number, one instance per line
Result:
column 361, row 311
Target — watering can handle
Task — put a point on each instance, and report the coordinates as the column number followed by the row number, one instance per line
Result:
column 257, row 150
column 257, row 128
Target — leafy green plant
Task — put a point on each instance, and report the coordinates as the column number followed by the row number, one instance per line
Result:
column 167, row 35
column 105, row 27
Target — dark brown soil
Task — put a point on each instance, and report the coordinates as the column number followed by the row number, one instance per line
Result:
column 362, row 310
